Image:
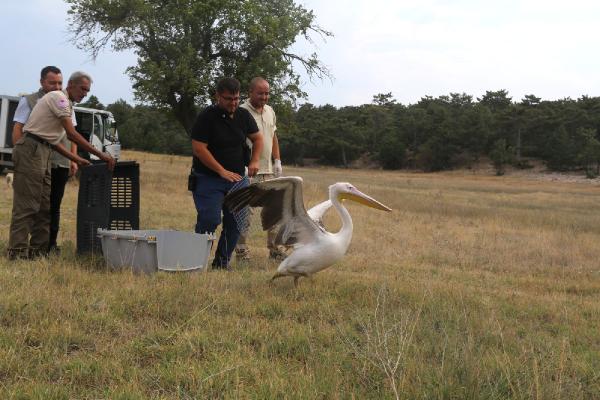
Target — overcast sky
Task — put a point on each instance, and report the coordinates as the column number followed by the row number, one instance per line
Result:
column 410, row 48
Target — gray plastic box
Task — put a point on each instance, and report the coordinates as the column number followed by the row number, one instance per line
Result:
column 149, row 251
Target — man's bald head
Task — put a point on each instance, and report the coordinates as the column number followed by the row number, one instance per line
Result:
column 259, row 92
column 256, row 81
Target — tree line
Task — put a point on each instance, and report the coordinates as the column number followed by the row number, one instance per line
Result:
column 434, row 134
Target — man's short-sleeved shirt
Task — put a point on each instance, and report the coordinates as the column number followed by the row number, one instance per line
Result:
column 267, row 124
column 45, row 118
column 56, row 159
column 22, row 112
column 224, row 136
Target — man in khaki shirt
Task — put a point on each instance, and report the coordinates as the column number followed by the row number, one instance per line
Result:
column 61, row 167
column 42, row 133
column 270, row 159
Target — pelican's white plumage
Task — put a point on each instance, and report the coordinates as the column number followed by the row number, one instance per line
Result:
column 316, row 213
column 282, row 205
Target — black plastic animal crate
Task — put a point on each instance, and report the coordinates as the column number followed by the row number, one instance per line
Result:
column 107, row 200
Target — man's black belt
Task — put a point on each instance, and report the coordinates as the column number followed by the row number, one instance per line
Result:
column 37, row 139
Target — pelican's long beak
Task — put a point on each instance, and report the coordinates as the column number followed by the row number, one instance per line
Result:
column 360, row 197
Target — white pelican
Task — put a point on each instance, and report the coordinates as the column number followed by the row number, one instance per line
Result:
column 282, row 204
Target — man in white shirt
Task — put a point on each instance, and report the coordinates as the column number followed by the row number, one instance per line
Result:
column 270, row 159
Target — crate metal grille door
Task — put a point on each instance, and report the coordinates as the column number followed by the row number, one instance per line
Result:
column 116, row 225
column 121, row 195
column 107, row 200
column 125, row 198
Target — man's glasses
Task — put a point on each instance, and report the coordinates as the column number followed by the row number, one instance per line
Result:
column 230, row 99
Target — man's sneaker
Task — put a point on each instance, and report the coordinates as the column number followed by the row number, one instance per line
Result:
column 277, row 255
column 242, row 254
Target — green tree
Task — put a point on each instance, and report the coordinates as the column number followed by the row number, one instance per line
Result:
column 496, row 101
column 92, row 102
column 151, row 129
column 341, row 136
column 530, row 100
column 384, row 99
column 184, row 46
column 121, row 111
column 378, row 123
column 560, row 150
column 298, row 135
column 528, row 128
column 392, row 153
column 589, row 152
column 437, row 133
column 501, row 155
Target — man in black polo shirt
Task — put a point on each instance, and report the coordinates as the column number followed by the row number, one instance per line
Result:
column 218, row 143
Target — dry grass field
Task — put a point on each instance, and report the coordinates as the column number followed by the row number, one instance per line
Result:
column 475, row 287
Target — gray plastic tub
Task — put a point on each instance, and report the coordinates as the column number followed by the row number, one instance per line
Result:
column 149, row 251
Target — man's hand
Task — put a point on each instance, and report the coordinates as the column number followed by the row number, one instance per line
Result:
column 109, row 161
column 81, row 162
column 73, row 169
column 253, row 167
column 277, row 168
column 230, row 176
column 17, row 132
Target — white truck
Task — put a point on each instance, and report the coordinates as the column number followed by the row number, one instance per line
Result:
column 97, row 126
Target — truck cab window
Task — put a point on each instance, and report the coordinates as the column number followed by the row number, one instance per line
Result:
column 99, row 129
column 85, row 124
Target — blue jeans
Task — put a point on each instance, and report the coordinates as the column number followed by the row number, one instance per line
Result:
column 208, row 198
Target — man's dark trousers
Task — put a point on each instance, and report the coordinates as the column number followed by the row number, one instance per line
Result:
column 208, row 198
column 60, row 177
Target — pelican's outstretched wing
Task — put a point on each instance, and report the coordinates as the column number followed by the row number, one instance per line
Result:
column 282, row 205
column 316, row 213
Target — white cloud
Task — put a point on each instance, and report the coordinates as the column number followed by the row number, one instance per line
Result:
column 434, row 47
column 411, row 48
